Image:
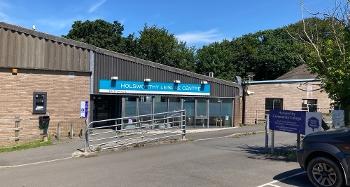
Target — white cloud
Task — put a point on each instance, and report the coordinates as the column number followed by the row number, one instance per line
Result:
column 59, row 26
column 3, row 16
column 209, row 36
column 56, row 24
column 95, row 6
column 3, row 7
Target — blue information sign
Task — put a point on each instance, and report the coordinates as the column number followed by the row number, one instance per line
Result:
column 84, row 108
column 313, row 123
column 288, row 121
column 139, row 87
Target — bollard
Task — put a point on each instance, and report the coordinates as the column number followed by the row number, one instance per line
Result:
column 298, row 141
column 183, row 126
column 58, row 131
column 272, row 141
column 17, row 121
column 71, row 130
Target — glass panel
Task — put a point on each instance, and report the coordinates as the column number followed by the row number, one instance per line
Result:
column 215, row 118
column 309, row 105
column 273, row 103
column 145, row 105
column 201, row 118
column 201, row 107
column 174, row 103
column 220, row 112
column 226, row 112
column 130, row 106
column 189, row 107
column 160, row 104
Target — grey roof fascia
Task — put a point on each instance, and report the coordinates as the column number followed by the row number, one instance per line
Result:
column 281, row 81
column 112, row 53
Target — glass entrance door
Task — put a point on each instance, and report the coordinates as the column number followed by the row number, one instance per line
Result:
column 201, row 118
column 189, row 107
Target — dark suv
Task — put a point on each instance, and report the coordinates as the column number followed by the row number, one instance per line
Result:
column 326, row 157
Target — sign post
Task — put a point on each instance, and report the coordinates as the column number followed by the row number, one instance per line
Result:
column 267, row 132
column 298, row 141
column 84, row 108
column 272, row 141
column 297, row 122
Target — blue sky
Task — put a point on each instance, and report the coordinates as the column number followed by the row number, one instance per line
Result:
column 198, row 22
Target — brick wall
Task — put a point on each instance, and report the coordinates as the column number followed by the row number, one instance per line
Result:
column 64, row 93
column 292, row 94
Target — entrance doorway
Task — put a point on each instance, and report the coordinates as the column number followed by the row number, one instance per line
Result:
column 106, row 107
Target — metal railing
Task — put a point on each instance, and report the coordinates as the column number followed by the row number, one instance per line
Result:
column 132, row 130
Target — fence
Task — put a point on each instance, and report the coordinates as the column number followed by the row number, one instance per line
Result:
column 127, row 131
column 68, row 129
column 14, row 130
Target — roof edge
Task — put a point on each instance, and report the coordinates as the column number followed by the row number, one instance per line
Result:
column 113, row 53
column 47, row 36
column 164, row 67
column 282, row 81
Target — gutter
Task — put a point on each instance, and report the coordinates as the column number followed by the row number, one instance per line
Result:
column 282, row 81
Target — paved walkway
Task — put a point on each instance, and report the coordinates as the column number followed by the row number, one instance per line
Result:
column 65, row 148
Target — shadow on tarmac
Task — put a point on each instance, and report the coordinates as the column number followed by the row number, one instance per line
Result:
column 298, row 180
column 286, row 153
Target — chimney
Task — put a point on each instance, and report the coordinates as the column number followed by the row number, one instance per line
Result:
column 211, row 74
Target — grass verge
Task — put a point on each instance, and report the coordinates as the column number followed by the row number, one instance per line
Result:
column 23, row 146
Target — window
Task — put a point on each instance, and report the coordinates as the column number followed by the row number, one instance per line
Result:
column 145, row 105
column 174, row 103
column 309, row 105
column 39, row 102
column 273, row 103
column 131, row 106
column 160, row 104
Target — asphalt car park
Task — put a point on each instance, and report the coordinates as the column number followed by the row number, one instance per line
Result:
column 295, row 177
column 215, row 161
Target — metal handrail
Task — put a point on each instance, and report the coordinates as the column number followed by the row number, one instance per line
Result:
column 156, row 127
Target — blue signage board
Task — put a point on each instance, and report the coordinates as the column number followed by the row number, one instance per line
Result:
column 84, row 108
column 139, row 87
column 288, row 121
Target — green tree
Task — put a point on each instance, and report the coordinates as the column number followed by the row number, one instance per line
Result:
column 329, row 44
column 158, row 45
column 129, row 45
column 267, row 54
column 99, row 33
column 219, row 58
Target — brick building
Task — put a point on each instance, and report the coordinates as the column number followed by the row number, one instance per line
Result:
column 296, row 90
column 41, row 74
column 37, row 65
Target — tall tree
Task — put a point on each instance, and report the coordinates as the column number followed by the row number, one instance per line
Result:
column 158, row 45
column 218, row 58
column 267, row 54
column 99, row 33
column 329, row 45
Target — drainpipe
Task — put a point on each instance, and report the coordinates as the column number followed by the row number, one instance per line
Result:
column 244, row 88
column 241, row 94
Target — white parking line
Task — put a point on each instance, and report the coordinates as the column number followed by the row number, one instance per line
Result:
column 228, row 136
column 272, row 183
column 204, row 139
column 35, row 163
